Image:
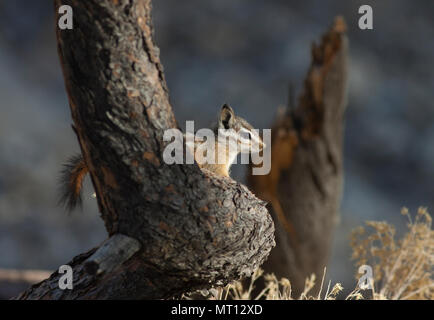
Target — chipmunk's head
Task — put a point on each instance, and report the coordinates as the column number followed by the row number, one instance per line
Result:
column 239, row 131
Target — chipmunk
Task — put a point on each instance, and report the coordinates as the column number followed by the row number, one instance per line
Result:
column 232, row 135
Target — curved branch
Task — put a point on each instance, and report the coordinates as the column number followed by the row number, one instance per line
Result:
column 195, row 229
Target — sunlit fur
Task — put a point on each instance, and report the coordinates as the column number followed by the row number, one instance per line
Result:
column 233, row 135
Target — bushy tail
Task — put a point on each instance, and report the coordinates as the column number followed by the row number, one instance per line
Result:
column 71, row 182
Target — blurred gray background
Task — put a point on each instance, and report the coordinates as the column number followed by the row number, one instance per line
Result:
column 243, row 52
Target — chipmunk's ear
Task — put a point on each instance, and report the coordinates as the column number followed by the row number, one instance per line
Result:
column 227, row 117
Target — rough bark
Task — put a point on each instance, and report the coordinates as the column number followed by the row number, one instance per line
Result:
column 195, row 229
column 305, row 183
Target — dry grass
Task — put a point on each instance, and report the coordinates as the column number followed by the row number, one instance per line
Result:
column 278, row 290
column 401, row 269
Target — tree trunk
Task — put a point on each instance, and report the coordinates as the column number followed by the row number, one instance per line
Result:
column 305, row 183
column 172, row 228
